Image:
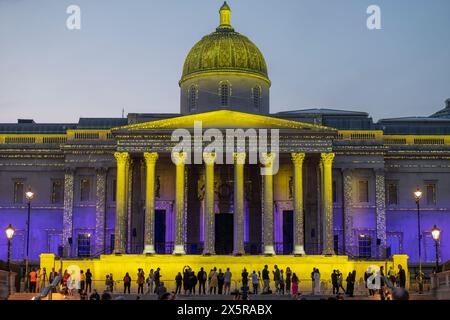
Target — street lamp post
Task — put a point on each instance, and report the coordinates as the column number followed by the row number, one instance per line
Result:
column 29, row 195
column 9, row 234
column 436, row 233
column 418, row 196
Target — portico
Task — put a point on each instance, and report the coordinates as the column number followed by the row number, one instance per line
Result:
column 203, row 192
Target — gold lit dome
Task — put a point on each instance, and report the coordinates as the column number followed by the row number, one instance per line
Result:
column 225, row 51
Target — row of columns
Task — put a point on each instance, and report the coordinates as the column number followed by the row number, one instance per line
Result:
column 122, row 199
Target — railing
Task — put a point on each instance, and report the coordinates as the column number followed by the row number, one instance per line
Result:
column 360, row 135
column 32, row 138
column 416, row 140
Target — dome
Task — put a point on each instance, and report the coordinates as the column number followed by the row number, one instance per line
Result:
column 225, row 51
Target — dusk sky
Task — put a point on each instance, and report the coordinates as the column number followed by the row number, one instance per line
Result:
column 129, row 54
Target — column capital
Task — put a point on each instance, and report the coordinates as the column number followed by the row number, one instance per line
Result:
column 151, row 157
column 239, row 157
column 209, row 158
column 298, row 158
column 268, row 159
column 327, row 158
column 122, row 157
column 179, row 158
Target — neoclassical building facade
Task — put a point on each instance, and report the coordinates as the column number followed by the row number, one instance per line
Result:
column 113, row 185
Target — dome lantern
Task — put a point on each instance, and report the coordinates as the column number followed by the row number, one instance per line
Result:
column 225, row 18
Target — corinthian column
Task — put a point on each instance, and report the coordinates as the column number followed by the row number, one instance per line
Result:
column 100, row 209
column 327, row 167
column 299, row 246
column 180, row 160
column 380, row 211
column 268, row 159
column 68, row 209
column 149, row 225
column 123, row 164
column 209, row 218
column 239, row 161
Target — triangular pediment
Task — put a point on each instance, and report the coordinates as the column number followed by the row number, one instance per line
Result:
column 225, row 119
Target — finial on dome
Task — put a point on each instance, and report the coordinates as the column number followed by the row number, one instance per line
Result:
column 225, row 18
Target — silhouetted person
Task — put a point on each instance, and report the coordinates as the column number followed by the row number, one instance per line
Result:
column 126, row 283
column 178, row 282
column 202, row 277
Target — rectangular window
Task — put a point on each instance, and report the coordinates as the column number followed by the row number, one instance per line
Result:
column 334, row 191
column 431, row 194
column 85, row 189
column 392, row 194
column 57, row 192
column 364, row 246
column 112, row 241
column 18, row 192
column 84, row 244
column 363, row 191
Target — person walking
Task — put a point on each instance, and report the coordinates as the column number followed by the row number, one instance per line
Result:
column 244, row 278
column 150, row 280
column 186, row 274
column 350, row 283
column 213, row 281
column 192, row 282
column 126, row 283
column 266, row 279
column 295, row 282
column 33, row 280
column 281, row 282
column 392, row 276
column 157, row 278
column 276, row 278
column 220, row 281
column 227, row 281
column 288, row 280
column 334, row 282
column 140, row 281
column 255, row 282
column 317, row 282
column 201, row 277
column 401, row 277
column 82, row 280
column 178, row 282
column 340, row 279
column 88, row 281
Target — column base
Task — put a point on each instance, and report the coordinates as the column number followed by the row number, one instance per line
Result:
column 179, row 250
column 269, row 250
column 149, row 249
column 299, row 251
column 238, row 254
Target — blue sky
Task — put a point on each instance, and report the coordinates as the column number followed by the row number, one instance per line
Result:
column 129, row 54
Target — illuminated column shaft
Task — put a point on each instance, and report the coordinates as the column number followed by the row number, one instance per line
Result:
column 100, row 209
column 149, row 227
column 348, row 212
column 69, row 177
column 180, row 160
column 327, row 167
column 239, row 161
column 121, row 228
column 380, row 211
column 209, row 217
column 268, row 205
column 299, row 246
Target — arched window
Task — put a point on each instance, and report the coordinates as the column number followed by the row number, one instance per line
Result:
column 256, row 97
column 224, row 92
column 193, row 97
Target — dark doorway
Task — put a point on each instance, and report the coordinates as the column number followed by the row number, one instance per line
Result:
column 224, row 233
column 160, row 231
column 288, row 232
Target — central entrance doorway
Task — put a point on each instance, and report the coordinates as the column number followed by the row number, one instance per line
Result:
column 224, row 234
column 160, row 232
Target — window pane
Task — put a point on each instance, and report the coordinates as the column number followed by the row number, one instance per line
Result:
column 84, row 244
column 85, row 189
column 431, row 194
column 365, row 247
column 57, row 192
column 18, row 192
column 363, row 191
column 392, row 194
